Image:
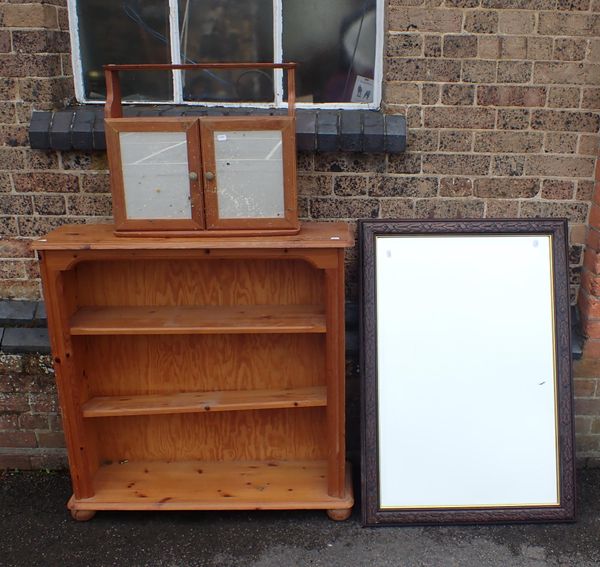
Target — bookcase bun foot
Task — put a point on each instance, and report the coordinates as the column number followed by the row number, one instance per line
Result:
column 83, row 515
column 339, row 515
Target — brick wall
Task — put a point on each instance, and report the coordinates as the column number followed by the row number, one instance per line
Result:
column 502, row 99
column 30, row 427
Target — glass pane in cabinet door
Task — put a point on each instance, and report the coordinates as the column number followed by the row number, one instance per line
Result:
column 249, row 172
column 155, row 175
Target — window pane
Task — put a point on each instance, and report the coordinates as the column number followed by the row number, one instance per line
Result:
column 155, row 175
column 334, row 42
column 221, row 31
column 130, row 31
column 249, row 174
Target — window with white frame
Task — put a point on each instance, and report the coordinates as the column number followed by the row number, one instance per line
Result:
column 337, row 44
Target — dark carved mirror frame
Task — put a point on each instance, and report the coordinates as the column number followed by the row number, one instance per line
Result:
column 553, row 237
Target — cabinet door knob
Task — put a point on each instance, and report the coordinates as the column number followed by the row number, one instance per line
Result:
column 193, row 176
column 209, row 175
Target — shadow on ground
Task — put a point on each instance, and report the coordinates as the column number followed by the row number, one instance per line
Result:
column 36, row 529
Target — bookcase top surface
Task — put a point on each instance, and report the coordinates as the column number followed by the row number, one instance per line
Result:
column 102, row 237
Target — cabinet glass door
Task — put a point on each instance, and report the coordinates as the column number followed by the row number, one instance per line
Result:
column 155, row 176
column 249, row 172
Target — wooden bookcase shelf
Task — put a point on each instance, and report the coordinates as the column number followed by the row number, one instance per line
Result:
column 184, row 319
column 192, row 402
column 200, row 373
column 195, row 485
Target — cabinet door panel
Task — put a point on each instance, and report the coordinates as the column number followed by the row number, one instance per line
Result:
column 250, row 172
column 154, row 166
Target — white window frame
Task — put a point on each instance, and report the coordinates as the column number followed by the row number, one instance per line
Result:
column 277, row 50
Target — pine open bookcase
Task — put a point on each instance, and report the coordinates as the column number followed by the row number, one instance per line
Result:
column 200, row 373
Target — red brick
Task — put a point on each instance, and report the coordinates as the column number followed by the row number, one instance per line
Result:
column 583, row 425
column 592, row 328
column 20, row 462
column 34, row 421
column 584, row 388
column 50, row 439
column 588, row 367
column 14, row 403
column 587, row 406
column 17, row 439
column 8, row 420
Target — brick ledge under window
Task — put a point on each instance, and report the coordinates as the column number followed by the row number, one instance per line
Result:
column 369, row 131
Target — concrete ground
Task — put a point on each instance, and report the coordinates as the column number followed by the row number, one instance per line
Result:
column 36, row 529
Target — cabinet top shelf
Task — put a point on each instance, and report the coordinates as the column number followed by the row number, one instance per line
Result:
column 102, row 237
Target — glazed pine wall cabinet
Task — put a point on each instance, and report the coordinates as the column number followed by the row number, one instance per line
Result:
column 220, row 175
column 200, row 373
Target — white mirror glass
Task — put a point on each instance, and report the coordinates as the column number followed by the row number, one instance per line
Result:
column 466, row 371
column 249, row 174
column 155, row 175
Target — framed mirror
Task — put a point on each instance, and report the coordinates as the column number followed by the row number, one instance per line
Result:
column 467, row 403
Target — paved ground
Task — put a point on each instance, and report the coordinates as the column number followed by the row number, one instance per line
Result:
column 35, row 529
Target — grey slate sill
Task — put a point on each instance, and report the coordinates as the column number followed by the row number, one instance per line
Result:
column 23, row 327
column 368, row 131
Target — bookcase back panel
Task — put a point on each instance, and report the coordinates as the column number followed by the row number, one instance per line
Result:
column 292, row 434
column 154, row 364
column 199, row 282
